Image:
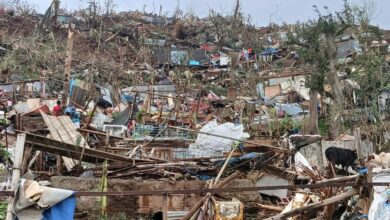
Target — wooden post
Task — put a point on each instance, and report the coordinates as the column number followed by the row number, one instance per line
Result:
column 43, row 87
column 368, row 197
column 59, row 165
column 134, row 103
column 195, row 109
column 91, row 116
column 199, row 204
column 14, row 92
column 359, row 151
column 16, row 172
column 107, row 140
column 68, row 65
column 358, row 145
column 369, row 180
column 165, row 207
column 160, row 111
column 32, row 161
column 5, row 119
column 27, row 155
column 177, row 109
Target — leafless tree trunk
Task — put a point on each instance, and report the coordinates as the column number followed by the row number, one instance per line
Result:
column 337, row 92
column 236, row 11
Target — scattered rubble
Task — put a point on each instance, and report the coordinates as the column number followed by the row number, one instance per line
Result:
column 135, row 115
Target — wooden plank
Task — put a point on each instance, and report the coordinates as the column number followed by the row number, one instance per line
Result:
column 314, row 205
column 270, row 207
column 26, row 157
column 62, row 129
column 358, row 145
column 165, row 207
column 68, row 150
column 220, row 185
column 16, row 172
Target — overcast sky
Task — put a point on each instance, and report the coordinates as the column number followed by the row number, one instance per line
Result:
column 261, row 11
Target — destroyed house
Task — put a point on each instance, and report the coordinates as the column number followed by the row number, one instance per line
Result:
column 347, row 46
column 176, row 56
column 164, row 90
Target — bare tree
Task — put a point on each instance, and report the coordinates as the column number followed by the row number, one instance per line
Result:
column 109, row 7
column 20, row 7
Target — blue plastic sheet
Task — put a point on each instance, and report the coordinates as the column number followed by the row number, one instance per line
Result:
column 194, row 63
column 61, row 211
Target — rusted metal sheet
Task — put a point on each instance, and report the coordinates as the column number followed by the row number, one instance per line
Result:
column 79, row 96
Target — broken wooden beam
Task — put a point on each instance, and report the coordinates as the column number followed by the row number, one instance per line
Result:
column 270, row 207
column 339, row 179
column 100, row 133
column 314, row 205
column 72, row 151
column 219, row 185
column 17, row 169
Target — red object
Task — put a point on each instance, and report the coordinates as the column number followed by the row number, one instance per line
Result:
column 56, row 110
column 205, row 47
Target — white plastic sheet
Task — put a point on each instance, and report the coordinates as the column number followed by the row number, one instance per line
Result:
column 208, row 145
column 300, row 159
column 379, row 209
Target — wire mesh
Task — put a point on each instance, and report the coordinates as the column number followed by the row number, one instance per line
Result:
column 203, row 146
column 145, row 131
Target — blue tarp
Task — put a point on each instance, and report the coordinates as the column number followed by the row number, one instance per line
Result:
column 127, row 99
column 61, row 211
column 72, row 83
column 236, row 160
column 269, row 51
column 194, row 63
column 70, row 109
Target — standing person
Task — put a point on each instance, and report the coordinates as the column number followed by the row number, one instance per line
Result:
column 57, row 108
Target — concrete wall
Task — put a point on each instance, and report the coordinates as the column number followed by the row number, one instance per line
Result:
column 313, row 154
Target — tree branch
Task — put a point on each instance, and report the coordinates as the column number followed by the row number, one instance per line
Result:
column 299, row 43
column 342, row 29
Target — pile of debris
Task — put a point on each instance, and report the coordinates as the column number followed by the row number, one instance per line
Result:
column 181, row 123
column 169, row 154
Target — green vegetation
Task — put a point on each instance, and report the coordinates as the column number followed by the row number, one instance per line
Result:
column 280, row 126
column 323, row 127
column 4, row 153
column 3, row 210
